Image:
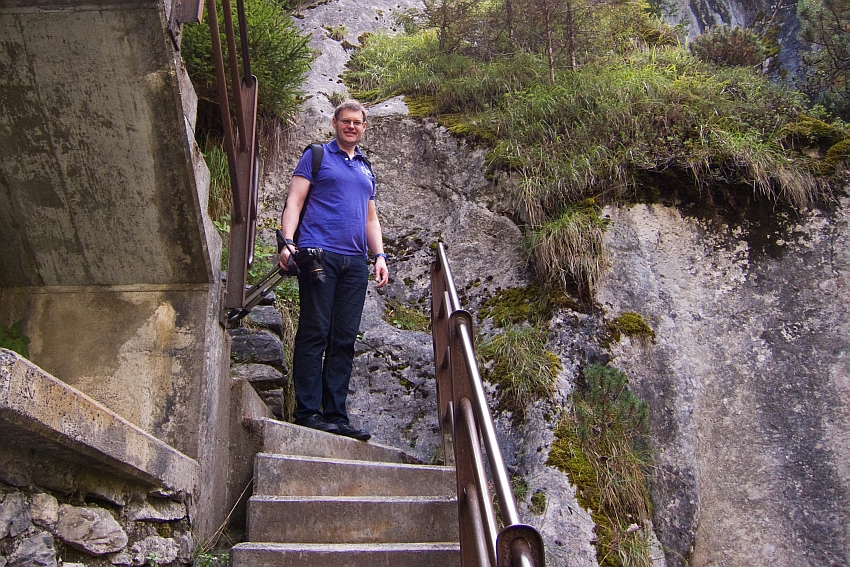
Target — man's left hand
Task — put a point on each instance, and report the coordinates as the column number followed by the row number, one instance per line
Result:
column 382, row 274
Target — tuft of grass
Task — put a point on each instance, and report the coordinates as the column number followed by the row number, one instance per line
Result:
column 602, row 444
column 569, row 248
column 521, row 365
column 220, row 199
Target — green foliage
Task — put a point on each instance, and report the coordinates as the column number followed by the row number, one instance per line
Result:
column 405, row 318
column 824, row 28
column 213, row 559
column 280, row 57
column 602, row 446
column 597, row 131
column 521, row 365
column 729, row 45
column 220, row 199
column 13, row 338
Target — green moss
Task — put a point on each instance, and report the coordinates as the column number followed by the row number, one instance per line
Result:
column 631, row 325
column 538, row 502
column 420, row 106
column 405, row 318
column 814, row 131
column 838, row 153
column 534, row 304
column 518, row 361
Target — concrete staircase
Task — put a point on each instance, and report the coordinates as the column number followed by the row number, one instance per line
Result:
column 320, row 499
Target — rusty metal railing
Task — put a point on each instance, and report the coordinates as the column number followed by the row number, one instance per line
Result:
column 240, row 144
column 466, row 422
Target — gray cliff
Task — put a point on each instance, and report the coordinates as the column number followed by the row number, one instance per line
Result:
column 746, row 380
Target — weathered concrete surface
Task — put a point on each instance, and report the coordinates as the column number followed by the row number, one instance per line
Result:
column 55, row 421
column 748, row 382
column 97, row 175
column 140, row 353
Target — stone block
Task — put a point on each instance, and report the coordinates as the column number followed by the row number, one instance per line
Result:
column 90, row 529
column 262, row 347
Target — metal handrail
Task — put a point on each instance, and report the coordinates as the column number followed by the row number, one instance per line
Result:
column 240, row 145
column 466, row 423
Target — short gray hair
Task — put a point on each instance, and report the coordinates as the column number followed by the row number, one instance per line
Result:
column 350, row 104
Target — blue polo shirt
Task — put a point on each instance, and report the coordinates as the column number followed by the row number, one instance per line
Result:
column 336, row 209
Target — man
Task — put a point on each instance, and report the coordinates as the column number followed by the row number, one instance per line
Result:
column 339, row 217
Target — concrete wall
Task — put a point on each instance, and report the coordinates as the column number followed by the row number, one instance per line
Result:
column 107, row 254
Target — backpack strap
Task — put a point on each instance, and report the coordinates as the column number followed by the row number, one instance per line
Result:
column 318, row 153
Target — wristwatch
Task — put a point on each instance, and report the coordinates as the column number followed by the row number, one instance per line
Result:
column 380, row 255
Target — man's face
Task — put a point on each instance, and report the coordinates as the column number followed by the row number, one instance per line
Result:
column 349, row 127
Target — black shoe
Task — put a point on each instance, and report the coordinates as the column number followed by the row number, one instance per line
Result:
column 348, row 431
column 316, row 421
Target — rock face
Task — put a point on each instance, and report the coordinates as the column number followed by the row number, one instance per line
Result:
column 744, row 380
column 747, row 382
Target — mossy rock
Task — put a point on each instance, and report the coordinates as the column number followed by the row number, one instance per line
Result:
column 838, row 153
column 814, row 131
column 632, row 325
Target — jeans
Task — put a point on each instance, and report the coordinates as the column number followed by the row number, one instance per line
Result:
column 327, row 329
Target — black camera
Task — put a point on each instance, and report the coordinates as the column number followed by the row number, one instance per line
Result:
column 309, row 261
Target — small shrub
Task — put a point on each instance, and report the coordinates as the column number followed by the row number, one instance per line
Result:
column 336, row 33
column 280, row 57
column 730, row 46
column 602, row 446
column 13, row 338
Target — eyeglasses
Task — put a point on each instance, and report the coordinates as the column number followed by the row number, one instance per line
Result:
column 356, row 123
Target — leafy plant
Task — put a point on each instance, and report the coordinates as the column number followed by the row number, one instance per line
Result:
column 603, row 446
column 280, row 57
column 519, row 362
column 13, row 338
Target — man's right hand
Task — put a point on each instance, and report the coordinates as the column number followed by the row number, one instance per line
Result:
column 286, row 259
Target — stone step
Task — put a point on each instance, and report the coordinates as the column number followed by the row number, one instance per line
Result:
column 345, row 555
column 285, row 475
column 289, row 439
column 376, row 519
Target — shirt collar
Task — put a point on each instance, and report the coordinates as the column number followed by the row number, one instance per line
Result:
column 334, row 147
